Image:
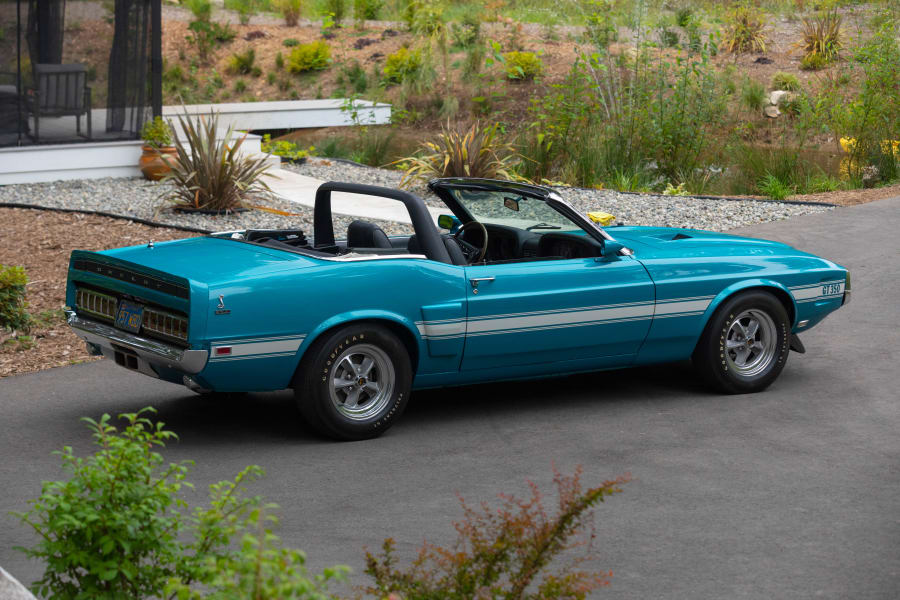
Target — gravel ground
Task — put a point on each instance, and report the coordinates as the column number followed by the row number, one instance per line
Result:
column 142, row 199
column 629, row 209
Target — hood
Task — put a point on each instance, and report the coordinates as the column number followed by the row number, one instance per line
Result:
column 210, row 260
column 663, row 242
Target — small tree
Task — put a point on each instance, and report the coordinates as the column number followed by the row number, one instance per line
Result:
column 504, row 552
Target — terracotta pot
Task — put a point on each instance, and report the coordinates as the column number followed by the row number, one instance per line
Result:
column 152, row 164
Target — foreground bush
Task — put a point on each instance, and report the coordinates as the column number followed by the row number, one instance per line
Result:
column 118, row 529
column 13, row 313
column 505, row 552
column 402, row 65
column 523, row 65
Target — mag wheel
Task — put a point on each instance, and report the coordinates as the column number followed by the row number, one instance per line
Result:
column 355, row 382
column 745, row 344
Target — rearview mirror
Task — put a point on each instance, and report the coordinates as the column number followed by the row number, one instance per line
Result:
column 448, row 222
column 611, row 248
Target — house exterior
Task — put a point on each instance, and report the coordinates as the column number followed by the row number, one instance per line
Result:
column 78, row 72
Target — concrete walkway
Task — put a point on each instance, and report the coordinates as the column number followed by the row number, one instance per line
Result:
column 302, row 190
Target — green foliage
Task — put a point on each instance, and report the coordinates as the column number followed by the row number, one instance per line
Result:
column 821, row 39
column 157, row 133
column 240, row 86
column 290, row 42
column 206, row 35
column 290, row 10
column 402, row 65
column 600, row 25
column 13, row 308
column 425, row 17
column 478, row 152
column 209, row 173
column 467, row 32
column 117, row 528
column 522, row 65
column 286, row 149
column 354, row 76
column 367, row 10
column 785, row 81
column 279, row 61
column 745, row 30
column 753, row 95
column 337, row 9
column 684, row 16
column 505, row 552
column 241, row 63
column 774, row 188
column 201, row 9
column 314, row 56
column 244, row 8
column 668, row 38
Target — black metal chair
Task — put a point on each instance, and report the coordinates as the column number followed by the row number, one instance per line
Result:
column 60, row 91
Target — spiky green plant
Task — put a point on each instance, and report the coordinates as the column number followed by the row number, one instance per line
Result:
column 209, row 173
column 745, row 31
column 821, row 38
column 477, row 152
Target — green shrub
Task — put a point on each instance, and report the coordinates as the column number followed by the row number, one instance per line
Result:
column 774, row 188
column 314, row 56
column 117, row 527
column 684, row 16
column 599, row 23
column 244, row 8
column 286, row 149
column 353, row 75
column 522, row 65
column 290, row 42
column 505, row 552
column 745, row 30
column 425, row 17
column 367, row 10
column 240, row 86
column 337, row 9
column 201, row 9
column 270, row 78
column 402, row 65
column 290, row 10
column 206, row 35
column 13, row 308
column 241, row 63
column 467, row 32
column 279, row 61
column 753, row 95
column 157, row 133
column 785, row 81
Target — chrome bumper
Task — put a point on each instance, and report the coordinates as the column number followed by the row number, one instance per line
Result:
column 149, row 352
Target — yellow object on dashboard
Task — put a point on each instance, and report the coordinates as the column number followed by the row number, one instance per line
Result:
column 601, row 218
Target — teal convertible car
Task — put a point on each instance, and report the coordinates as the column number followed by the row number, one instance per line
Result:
column 512, row 283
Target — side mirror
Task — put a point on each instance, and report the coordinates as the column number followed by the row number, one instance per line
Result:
column 612, row 248
column 448, row 222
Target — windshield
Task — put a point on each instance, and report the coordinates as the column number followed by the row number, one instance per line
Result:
column 514, row 210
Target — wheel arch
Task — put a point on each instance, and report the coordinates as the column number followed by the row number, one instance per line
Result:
column 765, row 285
column 403, row 328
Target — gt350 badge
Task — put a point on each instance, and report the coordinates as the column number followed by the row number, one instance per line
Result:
column 220, row 307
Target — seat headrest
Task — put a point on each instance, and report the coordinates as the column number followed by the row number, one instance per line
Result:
column 361, row 234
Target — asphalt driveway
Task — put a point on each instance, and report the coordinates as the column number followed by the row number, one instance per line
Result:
column 792, row 493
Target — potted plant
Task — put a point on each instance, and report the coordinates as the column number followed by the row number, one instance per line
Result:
column 158, row 150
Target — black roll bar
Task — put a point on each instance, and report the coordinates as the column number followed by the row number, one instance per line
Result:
column 426, row 233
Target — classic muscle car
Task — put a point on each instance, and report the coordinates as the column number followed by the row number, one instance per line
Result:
column 513, row 283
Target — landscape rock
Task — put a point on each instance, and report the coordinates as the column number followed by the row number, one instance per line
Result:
column 776, row 96
column 772, row 112
column 11, row 589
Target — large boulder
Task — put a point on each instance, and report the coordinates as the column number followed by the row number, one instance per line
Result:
column 11, row 589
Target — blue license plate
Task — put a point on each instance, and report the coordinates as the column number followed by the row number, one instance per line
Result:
column 129, row 316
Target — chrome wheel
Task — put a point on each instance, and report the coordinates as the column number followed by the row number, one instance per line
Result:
column 751, row 343
column 361, row 382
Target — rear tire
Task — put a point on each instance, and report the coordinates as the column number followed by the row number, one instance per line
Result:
column 354, row 383
column 745, row 344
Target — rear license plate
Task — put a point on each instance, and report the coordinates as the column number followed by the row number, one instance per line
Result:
column 129, row 316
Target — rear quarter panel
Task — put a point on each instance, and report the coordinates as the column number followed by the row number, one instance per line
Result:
column 273, row 319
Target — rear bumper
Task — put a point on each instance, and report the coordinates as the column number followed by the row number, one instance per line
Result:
column 139, row 353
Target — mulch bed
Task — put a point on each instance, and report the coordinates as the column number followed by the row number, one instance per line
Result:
column 41, row 241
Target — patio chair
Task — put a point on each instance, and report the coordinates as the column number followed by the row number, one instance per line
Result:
column 11, row 120
column 61, row 91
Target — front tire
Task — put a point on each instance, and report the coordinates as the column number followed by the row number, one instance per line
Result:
column 354, row 383
column 745, row 344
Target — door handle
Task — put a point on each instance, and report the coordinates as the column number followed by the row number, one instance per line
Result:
column 476, row 280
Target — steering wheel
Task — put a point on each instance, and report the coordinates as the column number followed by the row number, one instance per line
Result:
column 472, row 252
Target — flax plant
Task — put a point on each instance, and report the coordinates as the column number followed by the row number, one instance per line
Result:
column 208, row 173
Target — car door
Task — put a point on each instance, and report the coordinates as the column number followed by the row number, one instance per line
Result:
column 550, row 311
